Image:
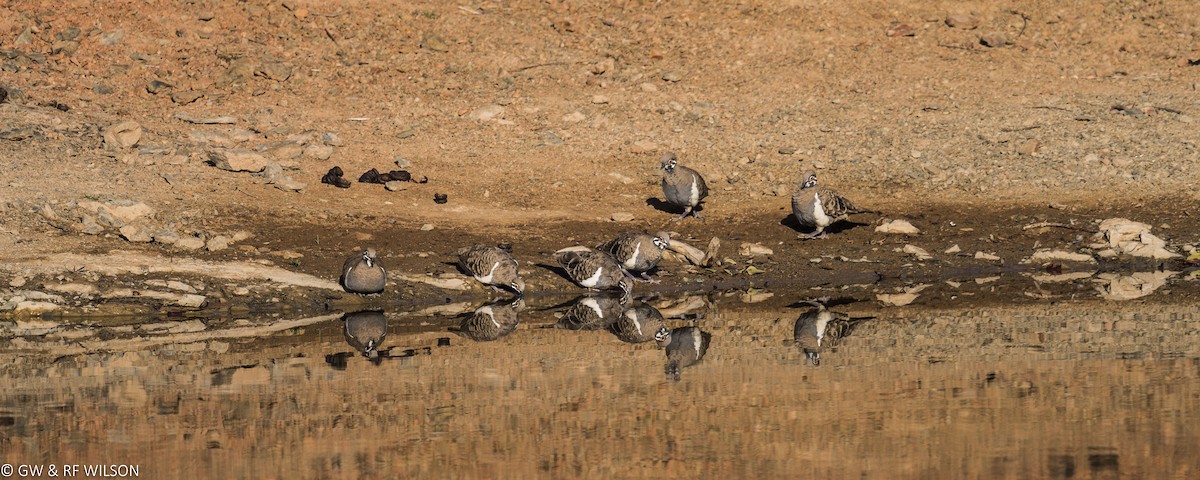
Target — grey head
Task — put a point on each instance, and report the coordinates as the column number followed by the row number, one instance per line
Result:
column 662, row 240
column 518, row 286
column 669, row 162
column 808, row 180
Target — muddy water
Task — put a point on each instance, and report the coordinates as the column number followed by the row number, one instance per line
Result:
column 1076, row 389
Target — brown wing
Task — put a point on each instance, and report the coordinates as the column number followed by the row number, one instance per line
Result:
column 835, row 204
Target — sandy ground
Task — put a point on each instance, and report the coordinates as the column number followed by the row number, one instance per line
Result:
column 540, row 121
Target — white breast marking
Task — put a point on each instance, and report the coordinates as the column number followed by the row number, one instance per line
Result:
column 632, row 260
column 632, row 316
column 695, row 197
column 591, row 282
column 819, row 215
column 488, row 279
column 592, row 304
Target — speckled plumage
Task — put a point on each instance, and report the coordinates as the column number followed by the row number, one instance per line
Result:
column 363, row 273
column 820, row 328
column 682, row 186
column 594, row 270
column 637, row 252
column 685, row 347
column 816, row 206
column 639, row 324
column 491, row 266
column 365, row 331
column 491, row 321
column 593, row 312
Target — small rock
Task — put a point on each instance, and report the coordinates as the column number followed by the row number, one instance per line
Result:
column 896, row 299
column 241, row 291
column 237, row 160
column 1029, row 147
column 754, row 250
column 599, row 99
column 648, row 87
column 603, row 66
column 901, row 30
column 550, row 138
column 136, row 234
column 952, row 249
column 965, row 22
column 242, row 235
column 219, row 242
column 995, row 39
column 165, row 237
column 622, row 217
column 787, row 150
column 621, row 178
column 396, row 186
column 205, row 16
column 17, row 282
column 426, row 227
column 332, row 139
column 300, row 13
column 979, row 255
column 274, row 71
column 123, row 135
column 434, row 43
column 225, row 120
column 402, row 162
column 187, row 96
column 112, row 38
column 917, row 252
column 672, row 77
column 574, row 117
column 486, row 113
column 898, row 226
column 643, row 146
column 319, row 151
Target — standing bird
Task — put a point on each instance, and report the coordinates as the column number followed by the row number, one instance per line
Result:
column 491, row 266
column 820, row 328
column 362, row 273
column 491, row 321
column 638, row 252
column 365, row 331
column 682, row 186
column 817, row 206
column 685, row 347
column 594, row 270
column 639, row 324
column 593, row 312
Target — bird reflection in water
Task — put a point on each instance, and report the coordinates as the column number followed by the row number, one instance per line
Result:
column 593, row 312
column 491, row 321
column 365, row 331
column 821, row 328
column 639, row 324
column 685, row 347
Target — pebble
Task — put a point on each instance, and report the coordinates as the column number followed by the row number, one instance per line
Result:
column 787, row 150
column 157, row 86
column 754, row 250
column 17, row 282
column 434, row 43
column 965, row 22
column 574, row 117
column 426, row 227
column 901, row 30
column 165, row 237
column 917, row 252
column 98, row 90
column 953, row 249
column 622, row 217
column 190, row 243
column 123, row 135
column 986, row 256
column 995, row 39
column 550, row 138
column 402, row 162
column 648, row 87
column 241, row 291
column 226, row 120
column 237, row 160
column 898, row 226
column 274, row 71
column 332, row 139
column 672, row 77
column 599, row 99
column 396, row 186
column 1029, row 147
column 319, row 151
column 621, row 178
column 205, row 16
column 643, row 146
column 486, row 113
column 187, row 96
column 112, row 38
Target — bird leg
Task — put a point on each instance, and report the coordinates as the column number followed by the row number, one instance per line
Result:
column 687, row 211
column 645, row 277
column 818, row 235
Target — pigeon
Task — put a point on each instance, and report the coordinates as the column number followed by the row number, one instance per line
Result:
column 362, row 273
column 638, row 252
column 682, row 186
column 593, row 312
column 639, row 324
column 365, row 331
column 594, row 270
column 820, row 328
column 817, row 206
column 492, row 321
column 685, row 347
column 491, row 266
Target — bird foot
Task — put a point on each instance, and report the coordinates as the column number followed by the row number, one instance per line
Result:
column 646, row 278
column 813, row 236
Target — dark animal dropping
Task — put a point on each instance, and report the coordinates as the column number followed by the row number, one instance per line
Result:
column 440, row 198
column 334, row 177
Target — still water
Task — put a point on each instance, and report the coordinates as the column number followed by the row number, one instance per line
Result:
column 687, row 387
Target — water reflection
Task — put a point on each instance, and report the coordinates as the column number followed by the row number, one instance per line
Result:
column 820, row 328
column 492, row 321
column 365, row 331
column 639, row 324
column 593, row 312
column 685, row 347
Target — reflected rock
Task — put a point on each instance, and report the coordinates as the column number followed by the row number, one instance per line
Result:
column 1128, row 287
column 639, row 324
column 365, row 331
column 593, row 312
column 685, row 347
column 491, row 321
column 820, row 328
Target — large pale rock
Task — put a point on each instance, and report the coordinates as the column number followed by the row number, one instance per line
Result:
column 122, row 135
column 237, row 160
column 898, row 226
column 1133, row 238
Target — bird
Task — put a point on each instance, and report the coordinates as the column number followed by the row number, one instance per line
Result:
column 593, row 312
column 639, row 324
column 682, row 186
column 492, row 321
column 638, row 252
column 365, row 331
column 817, row 206
column 685, row 347
column 594, row 270
column 820, row 328
column 362, row 273
column 491, row 266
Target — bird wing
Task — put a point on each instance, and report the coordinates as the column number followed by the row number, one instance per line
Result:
column 835, row 204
